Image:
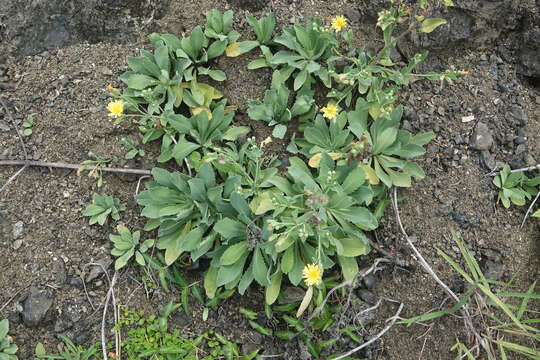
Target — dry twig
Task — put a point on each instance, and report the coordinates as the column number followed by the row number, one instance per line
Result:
column 529, row 209
column 25, row 162
column 429, row 270
column 391, row 323
column 62, row 165
column 359, row 276
column 13, row 297
column 104, row 318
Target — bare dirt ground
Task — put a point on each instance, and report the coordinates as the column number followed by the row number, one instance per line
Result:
column 60, row 79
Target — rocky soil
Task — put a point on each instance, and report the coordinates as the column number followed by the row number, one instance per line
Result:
column 57, row 57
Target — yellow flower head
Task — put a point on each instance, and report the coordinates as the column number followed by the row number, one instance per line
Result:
column 312, row 274
column 330, row 111
column 339, row 23
column 116, row 108
column 266, row 141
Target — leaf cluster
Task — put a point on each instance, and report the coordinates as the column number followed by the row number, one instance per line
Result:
column 256, row 222
column 102, row 207
column 515, row 187
column 69, row 351
column 8, row 349
column 127, row 244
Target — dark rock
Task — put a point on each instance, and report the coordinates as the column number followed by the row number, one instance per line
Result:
column 96, row 270
column 36, row 306
column 493, row 270
column 251, row 5
column 45, row 25
column 60, row 274
column 470, row 24
column 292, row 294
column 353, row 15
column 519, row 114
column 520, row 149
column 15, row 317
column 369, row 281
column 62, row 324
column 482, row 138
column 493, row 255
column 367, row 296
column 465, row 221
column 528, row 59
column 445, row 208
column 75, row 281
column 488, row 160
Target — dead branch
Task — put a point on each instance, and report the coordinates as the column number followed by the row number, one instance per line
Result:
column 429, row 270
column 62, row 165
column 13, row 297
column 104, row 318
column 25, row 162
column 529, row 209
column 350, row 282
column 391, row 323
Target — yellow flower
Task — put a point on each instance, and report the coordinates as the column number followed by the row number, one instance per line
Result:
column 116, row 108
column 339, row 23
column 266, row 141
column 330, row 111
column 312, row 274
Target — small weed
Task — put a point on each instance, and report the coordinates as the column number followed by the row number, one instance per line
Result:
column 515, row 187
column 8, row 349
column 93, row 166
column 127, row 244
column 150, row 338
column 102, row 207
column 70, row 351
column 133, row 150
column 27, row 125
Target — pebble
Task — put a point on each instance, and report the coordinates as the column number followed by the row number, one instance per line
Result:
column 519, row 114
column 59, row 271
column 17, row 244
column 105, row 71
column 520, row 149
column 465, row 221
column 18, row 229
column 367, row 296
column 488, row 160
column 369, row 281
column 36, row 306
column 353, row 15
column 482, row 137
column 96, row 271
column 493, row 270
column 291, row 294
